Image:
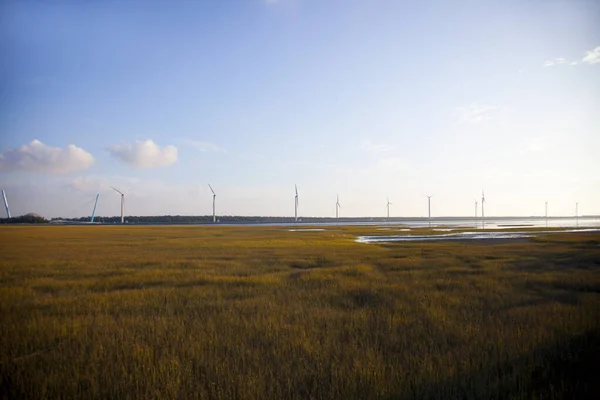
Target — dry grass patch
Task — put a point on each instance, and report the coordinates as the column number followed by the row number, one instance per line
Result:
column 249, row 312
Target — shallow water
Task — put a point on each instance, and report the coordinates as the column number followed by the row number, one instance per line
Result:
column 462, row 236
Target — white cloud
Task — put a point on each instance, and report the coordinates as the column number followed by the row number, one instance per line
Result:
column 475, row 113
column 86, row 184
column 592, row 56
column 556, row 61
column 206, row 147
column 92, row 184
column 536, row 144
column 144, row 154
column 38, row 157
column 371, row 147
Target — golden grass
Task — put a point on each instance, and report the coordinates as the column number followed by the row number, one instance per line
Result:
column 264, row 313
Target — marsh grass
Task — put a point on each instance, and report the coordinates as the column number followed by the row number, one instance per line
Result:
column 249, row 313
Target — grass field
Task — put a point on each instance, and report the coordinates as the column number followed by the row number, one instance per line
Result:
column 264, row 313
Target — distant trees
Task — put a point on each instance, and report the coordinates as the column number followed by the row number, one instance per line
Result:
column 30, row 218
column 198, row 219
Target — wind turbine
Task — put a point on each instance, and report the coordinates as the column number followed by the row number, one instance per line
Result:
column 214, row 198
column 388, row 207
column 6, row 205
column 296, row 204
column 429, row 207
column 546, row 213
column 482, row 210
column 95, row 204
column 476, row 203
column 577, row 214
column 337, row 206
column 122, row 204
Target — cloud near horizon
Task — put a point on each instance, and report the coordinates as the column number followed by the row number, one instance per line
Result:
column 559, row 61
column 38, row 157
column 206, row 147
column 371, row 147
column 391, row 164
column 475, row 113
column 144, row 154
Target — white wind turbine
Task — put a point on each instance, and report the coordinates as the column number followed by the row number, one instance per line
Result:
column 482, row 210
column 6, row 205
column 337, row 206
column 429, row 208
column 214, row 199
column 296, row 204
column 122, row 204
column 388, row 206
column 94, row 210
column 546, row 213
column 476, row 203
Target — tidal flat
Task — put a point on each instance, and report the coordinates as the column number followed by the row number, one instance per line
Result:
column 265, row 312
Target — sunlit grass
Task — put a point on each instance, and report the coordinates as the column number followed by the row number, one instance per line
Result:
column 249, row 313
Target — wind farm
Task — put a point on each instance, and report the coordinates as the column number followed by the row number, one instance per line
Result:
column 224, row 292
column 483, row 221
column 459, row 260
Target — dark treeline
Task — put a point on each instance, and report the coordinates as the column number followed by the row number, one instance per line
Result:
column 25, row 219
column 206, row 219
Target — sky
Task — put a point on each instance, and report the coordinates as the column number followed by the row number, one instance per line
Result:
column 367, row 100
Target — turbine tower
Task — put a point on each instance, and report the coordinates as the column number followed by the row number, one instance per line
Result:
column 337, row 206
column 296, row 204
column 482, row 210
column 6, row 205
column 429, row 208
column 95, row 204
column 214, row 199
column 546, row 213
column 122, row 204
column 388, row 207
column 476, row 202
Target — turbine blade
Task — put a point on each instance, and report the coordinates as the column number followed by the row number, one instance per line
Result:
column 117, row 190
column 211, row 189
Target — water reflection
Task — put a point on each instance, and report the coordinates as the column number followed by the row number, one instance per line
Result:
column 462, row 236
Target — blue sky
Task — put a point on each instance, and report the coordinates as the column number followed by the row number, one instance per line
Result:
column 367, row 99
